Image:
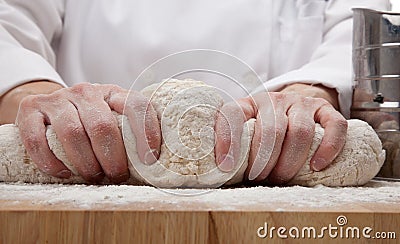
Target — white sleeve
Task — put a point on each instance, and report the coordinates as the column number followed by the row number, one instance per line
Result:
column 28, row 29
column 331, row 63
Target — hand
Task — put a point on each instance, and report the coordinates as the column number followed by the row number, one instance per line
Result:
column 292, row 127
column 82, row 119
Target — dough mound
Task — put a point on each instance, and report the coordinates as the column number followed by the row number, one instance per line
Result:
column 187, row 111
column 361, row 159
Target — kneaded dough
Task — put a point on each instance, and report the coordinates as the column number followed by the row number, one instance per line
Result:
column 360, row 160
column 187, row 111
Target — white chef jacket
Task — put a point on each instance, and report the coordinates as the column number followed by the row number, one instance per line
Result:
column 103, row 41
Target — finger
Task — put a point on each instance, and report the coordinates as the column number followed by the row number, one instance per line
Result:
column 269, row 134
column 31, row 124
column 277, row 128
column 334, row 138
column 71, row 133
column 228, row 129
column 105, row 137
column 296, row 145
column 143, row 121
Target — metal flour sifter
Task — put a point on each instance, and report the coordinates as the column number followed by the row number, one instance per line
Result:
column 376, row 64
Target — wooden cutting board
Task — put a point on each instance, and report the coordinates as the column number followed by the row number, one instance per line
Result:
column 42, row 216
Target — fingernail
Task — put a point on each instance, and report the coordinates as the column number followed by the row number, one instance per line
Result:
column 150, row 157
column 65, row 174
column 318, row 164
column 227, row 163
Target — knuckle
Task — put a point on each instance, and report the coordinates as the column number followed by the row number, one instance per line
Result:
column 342, row 123
column 279, row 99
column 321, row 101
column 103, row 127
column 80, row 88
column 73, row 131
column 27, row 101
column 115, row 88
column 57, row 95
column 32, row 101
column 25, row 107
column 308, row 101
column 112, row 88
column 278, row 96
column 302, row 130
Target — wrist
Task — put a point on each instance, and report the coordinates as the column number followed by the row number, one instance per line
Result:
column 316, row 91
column 9, row 102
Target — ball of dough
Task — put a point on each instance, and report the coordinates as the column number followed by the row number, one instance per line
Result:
column 187, row 111
column 361, row 159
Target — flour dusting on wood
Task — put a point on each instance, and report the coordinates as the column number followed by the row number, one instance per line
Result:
column 86, row 197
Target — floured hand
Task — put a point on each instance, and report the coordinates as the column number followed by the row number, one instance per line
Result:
column 82, row 119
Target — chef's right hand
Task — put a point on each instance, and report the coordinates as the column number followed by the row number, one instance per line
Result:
column 82, row 119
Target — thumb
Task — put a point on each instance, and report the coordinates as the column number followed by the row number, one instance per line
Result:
column 143, row 121
column 228, row 128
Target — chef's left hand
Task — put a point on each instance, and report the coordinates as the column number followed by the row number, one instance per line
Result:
column 296, row 108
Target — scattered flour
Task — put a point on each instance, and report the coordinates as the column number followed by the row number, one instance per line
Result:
column 151, row 198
